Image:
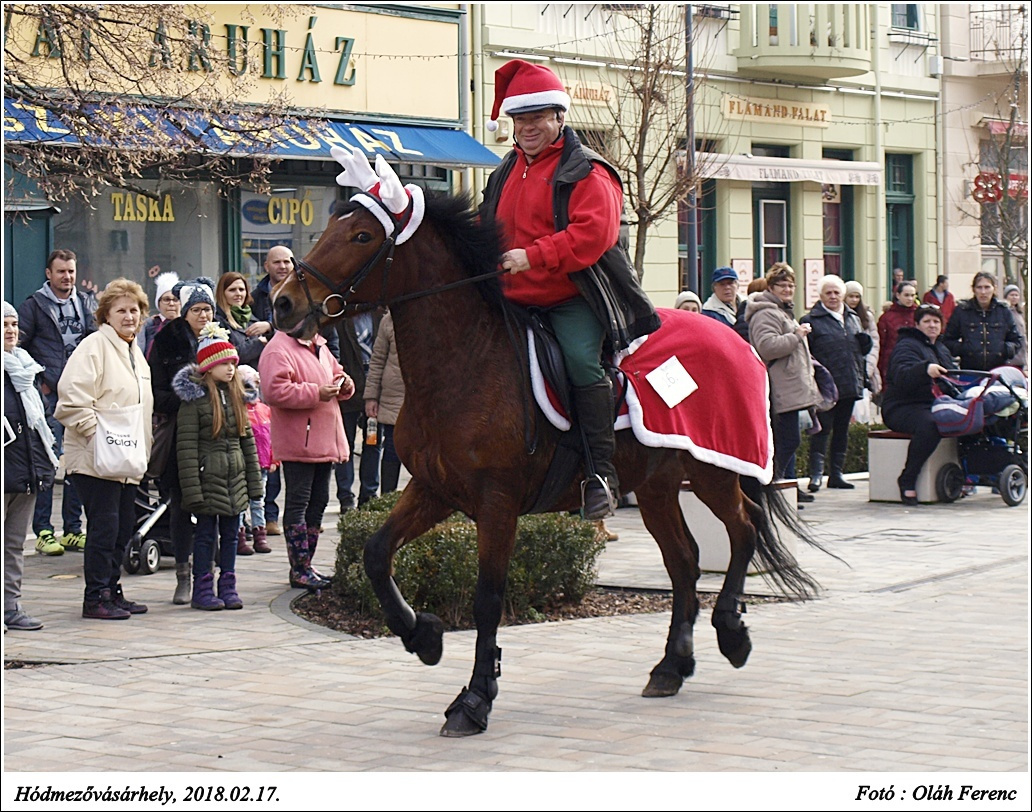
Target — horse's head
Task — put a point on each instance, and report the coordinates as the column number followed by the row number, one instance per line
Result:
column 350, row 264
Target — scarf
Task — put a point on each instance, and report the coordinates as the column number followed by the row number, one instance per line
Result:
column 241, row 315
column 838, row 314
column 22, row 371
column 726, row 310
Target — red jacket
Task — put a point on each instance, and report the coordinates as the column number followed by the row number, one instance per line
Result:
column 525, row 212
column 946, row 305
column 888, row 330
column 304, row 428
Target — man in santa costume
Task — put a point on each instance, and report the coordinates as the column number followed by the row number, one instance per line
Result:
column 558, row 206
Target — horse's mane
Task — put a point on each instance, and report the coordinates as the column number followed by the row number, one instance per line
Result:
column 475, row 245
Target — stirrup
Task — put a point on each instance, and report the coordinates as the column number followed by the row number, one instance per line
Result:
column 610, row 509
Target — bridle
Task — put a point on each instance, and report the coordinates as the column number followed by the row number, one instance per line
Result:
column 340, row 291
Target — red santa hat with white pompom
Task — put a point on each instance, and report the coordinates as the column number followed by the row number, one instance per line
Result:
column 521, row 87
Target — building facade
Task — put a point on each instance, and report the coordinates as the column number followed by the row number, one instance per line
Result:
column 387, row 81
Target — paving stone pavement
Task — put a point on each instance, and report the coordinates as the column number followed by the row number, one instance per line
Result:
column 914, row 658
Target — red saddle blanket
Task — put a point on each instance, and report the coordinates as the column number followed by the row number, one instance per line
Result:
column 697, row 386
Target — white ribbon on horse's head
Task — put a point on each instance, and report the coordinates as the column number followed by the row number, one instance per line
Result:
column 383, row 184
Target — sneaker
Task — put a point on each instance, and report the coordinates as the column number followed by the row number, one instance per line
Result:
column 74, row 542
column 17, row 621
column 120, row 600
column 46, row 544
column 103, row 608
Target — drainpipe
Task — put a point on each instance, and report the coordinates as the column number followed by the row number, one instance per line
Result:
column 464, row 88
column 882, row 253
column 476, row 25
column 940, row 156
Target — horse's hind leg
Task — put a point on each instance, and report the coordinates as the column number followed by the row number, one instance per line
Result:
column 496, row 535
column 416, row 512
column 720, row 492
column 661, row 512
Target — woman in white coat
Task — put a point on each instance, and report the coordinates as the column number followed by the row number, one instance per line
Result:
column 107, row 370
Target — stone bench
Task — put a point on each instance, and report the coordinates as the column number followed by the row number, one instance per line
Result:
column 886, row 456
column 709, row 532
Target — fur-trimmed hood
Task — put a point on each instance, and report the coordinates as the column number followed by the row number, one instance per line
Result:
column 188, row 384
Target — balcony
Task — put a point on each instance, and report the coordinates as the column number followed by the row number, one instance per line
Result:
column 808, row 43
column 998, row 37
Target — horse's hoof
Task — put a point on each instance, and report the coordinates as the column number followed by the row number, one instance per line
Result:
column 662, row 683
column 427, row 639
column 735, row 646
column 466, row 715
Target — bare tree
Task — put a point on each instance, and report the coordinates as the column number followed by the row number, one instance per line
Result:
column 643, row 124
column 119, row 92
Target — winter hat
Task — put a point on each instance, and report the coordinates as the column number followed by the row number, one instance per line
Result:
column 687, row 296
column 194, row 292
column 249, row 378
column 164, row 283
column 521, row 87
column 1006, row 290
column 9, row 311
column 853, row 286
column 213, row 347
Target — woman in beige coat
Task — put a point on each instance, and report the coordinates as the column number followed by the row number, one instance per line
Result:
column 384, row 394
column 105, row 371
column 780, row 341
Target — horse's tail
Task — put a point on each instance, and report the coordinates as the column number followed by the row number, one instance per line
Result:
column 777, row 565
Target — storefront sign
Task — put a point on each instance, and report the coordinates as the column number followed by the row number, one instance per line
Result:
column 987, row 187
column 592, row 94
column 774, row 111
column 787, row 170
column 134, row 208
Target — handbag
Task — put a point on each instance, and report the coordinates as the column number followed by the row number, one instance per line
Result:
column 120, row 444
column 826, row 386
column 163, row 432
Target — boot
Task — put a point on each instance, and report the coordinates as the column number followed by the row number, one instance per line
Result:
column 594, row 408
column 103, row 608
column 260, row 544
column 313, row 542
column 182, row 595
column 301, row 575
column 816, row 470
column 227, row 591
column 119, row 600
column 835, row 478
column 243, row 548
column 204, row 594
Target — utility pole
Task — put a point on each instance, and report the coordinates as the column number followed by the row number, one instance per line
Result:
column 691, row 282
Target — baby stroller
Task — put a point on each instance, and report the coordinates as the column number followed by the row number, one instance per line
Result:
column 152, row 538
column 988, row 414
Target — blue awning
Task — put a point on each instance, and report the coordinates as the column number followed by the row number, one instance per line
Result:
column 141, row 127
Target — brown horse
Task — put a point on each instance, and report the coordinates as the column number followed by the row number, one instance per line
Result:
column 462, row 434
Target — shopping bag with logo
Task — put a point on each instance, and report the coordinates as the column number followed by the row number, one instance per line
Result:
column 120, row 445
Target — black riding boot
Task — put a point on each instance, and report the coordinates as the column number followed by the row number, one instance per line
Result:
column 816, row 468
column 594, row 407
column 835, row 478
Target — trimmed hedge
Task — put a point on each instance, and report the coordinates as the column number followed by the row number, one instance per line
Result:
column 554, row 562
column 856, row 451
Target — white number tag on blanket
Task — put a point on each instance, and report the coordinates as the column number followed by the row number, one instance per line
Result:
column 672, row 381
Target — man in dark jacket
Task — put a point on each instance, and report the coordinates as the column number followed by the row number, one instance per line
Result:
column 723, row 305
column 558, row 205
column 357, row 336
column 982, row 331
column 53, row 321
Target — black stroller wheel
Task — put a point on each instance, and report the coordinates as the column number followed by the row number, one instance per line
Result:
column 949, row 482
column 1013, row 485
column 131, row 559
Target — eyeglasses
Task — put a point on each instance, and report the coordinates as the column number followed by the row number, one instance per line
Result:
column 783, row 285
column 168, row 298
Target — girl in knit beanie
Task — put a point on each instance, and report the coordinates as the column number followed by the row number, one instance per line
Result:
column 218, row 463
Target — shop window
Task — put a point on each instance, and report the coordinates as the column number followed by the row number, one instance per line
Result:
column 138, row 236
column 837, row 202
column 1004, row 220
column 773, row 237
column 706, row 234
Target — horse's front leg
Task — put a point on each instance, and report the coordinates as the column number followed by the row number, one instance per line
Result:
column 496, row 535
column 416, row 512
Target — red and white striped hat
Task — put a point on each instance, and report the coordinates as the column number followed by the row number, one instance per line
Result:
column 521, row 87
column 214, row 348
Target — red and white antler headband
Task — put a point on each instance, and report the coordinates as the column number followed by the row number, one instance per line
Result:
column 383, row 184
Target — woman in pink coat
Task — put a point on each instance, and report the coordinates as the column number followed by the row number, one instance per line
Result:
column 301, row 382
